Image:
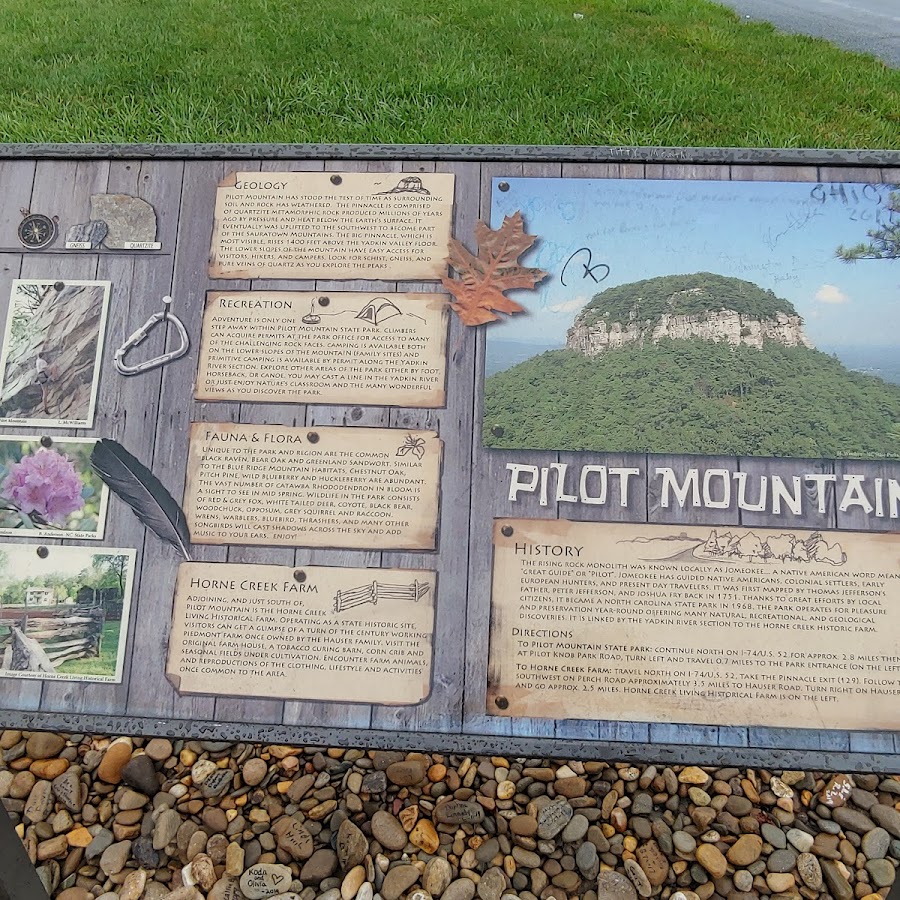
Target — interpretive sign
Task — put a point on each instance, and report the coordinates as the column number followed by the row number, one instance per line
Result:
column 585, row 451
column 694, row 624
column 322, row 633
column 339, row 347
column 348, row 225
column 325, row 487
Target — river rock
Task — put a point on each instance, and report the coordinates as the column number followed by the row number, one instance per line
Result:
column 654, row 863
column 49, row 768
column 887, row 817
column 398, row 880
column 693, row 775
column 217, row 783
column 875, row 843
column 710, row 857
column 614, row 886
column 461, row 889
column 553, row 818
column 166, row 828
column 838, row 886
column 576, row 828
column 425, row 837
column 102, row 839
column 836, row 792
column 144, row 854
column 458, row 812
column 522, row 825
column 133, row 886
column 352, row 882
column 322, row 864
column 586, row 860
column 437, row 876
column 254, row 771
column 853, row 820
column 351, row 845
column 780, row 882
column 387, row 830
column 114, row 857
column 492, row 885
column 159, row 749
column 114, row 760
column 406, row 773
column 374, row 782
column 801, row 841
column 810, row 871
column 782, row 860
column 67, row 790
column 265, row 880
column 44, row 745
column 131, row 800
column 638, row 878
column 882, row 872
column 293, row 838
column 40, row 802
column 140, row 773
column 200, row 871
column 773, row 835
column 745, row 850
column 234, row 859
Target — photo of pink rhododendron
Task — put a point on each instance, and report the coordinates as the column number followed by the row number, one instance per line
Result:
column 49, row 487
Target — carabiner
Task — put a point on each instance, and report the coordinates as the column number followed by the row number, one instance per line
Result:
column 142, row 332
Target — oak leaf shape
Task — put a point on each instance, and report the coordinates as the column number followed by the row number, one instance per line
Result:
column 478, row 292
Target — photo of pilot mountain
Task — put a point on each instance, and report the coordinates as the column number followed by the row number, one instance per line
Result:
column 765, row 321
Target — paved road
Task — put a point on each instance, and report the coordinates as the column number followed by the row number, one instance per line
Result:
column 868, row 26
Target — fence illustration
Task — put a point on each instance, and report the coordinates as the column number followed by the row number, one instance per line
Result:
column 42, row 639
column 372, row 593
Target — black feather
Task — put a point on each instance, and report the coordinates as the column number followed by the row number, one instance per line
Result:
column 134, row 483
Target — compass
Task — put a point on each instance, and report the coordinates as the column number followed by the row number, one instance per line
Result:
column 37, row 231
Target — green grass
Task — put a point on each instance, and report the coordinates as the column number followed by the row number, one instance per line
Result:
column 646, row 72
column 105, row 663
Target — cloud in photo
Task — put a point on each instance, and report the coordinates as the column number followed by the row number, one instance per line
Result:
column 569, row 305
column 830, row 293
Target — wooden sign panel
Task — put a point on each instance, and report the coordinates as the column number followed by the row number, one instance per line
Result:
column 321, row 633
column 694, row 624
column 650, row 509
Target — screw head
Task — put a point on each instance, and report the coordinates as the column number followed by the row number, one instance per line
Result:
column 336, row 179
column 46, row 441
column 501, row 703
column 497, row 430
column 507, row 531
column 503, row 186
column 313, row 437
column 43, row 552
column 299, row 575
column 324, row 301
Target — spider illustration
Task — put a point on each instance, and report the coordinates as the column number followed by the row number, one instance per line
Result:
column 414, row 445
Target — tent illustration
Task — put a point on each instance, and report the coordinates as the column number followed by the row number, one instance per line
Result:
column 378, row 310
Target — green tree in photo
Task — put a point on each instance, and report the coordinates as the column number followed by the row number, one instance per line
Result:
column 884, row 242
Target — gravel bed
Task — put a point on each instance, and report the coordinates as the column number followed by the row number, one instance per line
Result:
column 153, row 819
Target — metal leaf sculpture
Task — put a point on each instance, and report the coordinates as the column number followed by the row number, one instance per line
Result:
column 479, row 291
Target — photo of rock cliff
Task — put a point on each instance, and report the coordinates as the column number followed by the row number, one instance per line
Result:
column 54, row 336
column 801, row 360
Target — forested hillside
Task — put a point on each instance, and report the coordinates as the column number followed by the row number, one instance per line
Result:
column 694, row 396
column 682, row 295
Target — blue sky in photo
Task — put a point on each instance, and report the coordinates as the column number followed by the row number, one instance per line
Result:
column 780, row 235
